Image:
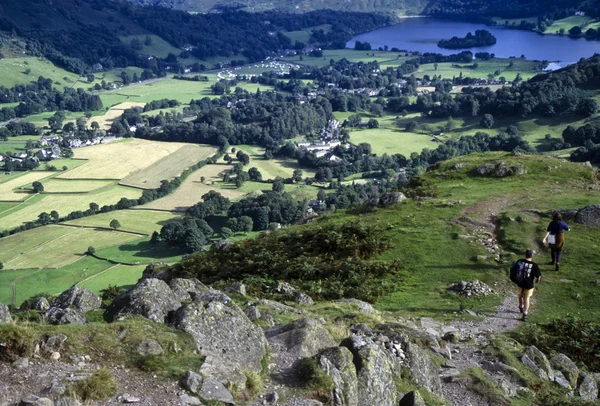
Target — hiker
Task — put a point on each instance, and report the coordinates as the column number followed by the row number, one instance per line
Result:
column 556, row 238
column 523, row 273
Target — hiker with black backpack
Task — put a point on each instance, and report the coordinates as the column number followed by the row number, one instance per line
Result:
column 523, row 273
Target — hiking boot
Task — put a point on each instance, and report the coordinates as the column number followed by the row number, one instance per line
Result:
column 551, row 262
column 524, row 318
column 521, row 308
column 557, row 267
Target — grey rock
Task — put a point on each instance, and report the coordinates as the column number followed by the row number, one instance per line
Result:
column 284, row 288
column 215, row 391
column 589, row 216
column 52, row 343
column 221, row 245
column 230, row 342
column 252, row 313
column 280, row 306
column 412, row 399
column 560, row 379
column 55, row 390
column 449, row 372
column 186, row 289
column 150, row 346
column 151, row 298
column 39, row 303
column 127, row 398
column 337, row 362
column 484, row 170
column 67, row 402
column 237, row 288
column 186, row 400
column 375, row 371
column 57, row 315
column 21, row 363
column 518, row 170
column 562, row 363
column 301, row 338
column 423, row 370
column 540, row 360
column 452, row 336
column 363, row 307
column 5, row 316
column 588, row 389
column 497, row 367
column 33, row 400
column 428, row 322
column 533, row 366
column 458, row 166
column 390, row 198
column 361, row 330
column 192, row 382
column 79, row 298
column 156, row 270
column 302, row 299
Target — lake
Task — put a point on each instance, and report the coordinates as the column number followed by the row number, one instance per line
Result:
column 423, row 34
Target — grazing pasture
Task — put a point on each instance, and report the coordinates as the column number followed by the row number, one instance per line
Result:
column 118, row 160
column 67, row 247
column 170, row 166
column 390, row 141
column 19, row 188
column 119, row 275
column 57, row 185
column 272, row 168
column 136, row 221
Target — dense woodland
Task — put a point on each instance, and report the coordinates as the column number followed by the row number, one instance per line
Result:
column 481, row 38
column 511, row 8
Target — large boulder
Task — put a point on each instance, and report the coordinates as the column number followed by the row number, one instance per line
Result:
column 589, row 216
column 363, row 307
column 588, row 389
column 5, row 316
column 223, row 333
column 186, row 289
column 539, row 358
column 33, row 400
column 375, row 372
column 57, row 315
column 423, row 370
column 337, row 362
column 302, row 338
column 78, row 298
column 151, row 298
column 562, row 363
column 214, row 391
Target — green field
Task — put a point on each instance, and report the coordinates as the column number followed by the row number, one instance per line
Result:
column 389, row 141
column 567, row 23
column 272, row 168
column 15, row 144
column 382, row 57
column 305, row 35
column 12, row 72
column 141, row 252
column 159, row 47
column 136, row 221
column 526, row 68
column 118, row 275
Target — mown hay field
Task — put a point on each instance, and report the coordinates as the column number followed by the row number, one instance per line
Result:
column 191, row 190
column 136, row 221
column 75, row 185
column 106, row 120
column 65, row 204
column 170, row 166
column 119, row 160
column 67, row 247
column 8, row 189
column 272, row 168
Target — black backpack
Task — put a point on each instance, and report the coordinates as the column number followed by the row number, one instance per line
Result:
column 518, row 272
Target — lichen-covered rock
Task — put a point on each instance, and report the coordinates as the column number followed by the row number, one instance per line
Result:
column 186, row 289
column 223, row 333
column 284, row 288
column 412, row 399
column 39, row 304
column 390, row 198
column 237, row 287
column 57, row 315
column 5, row 316
column 156, row 270
column 423, row 370
column 192, row 382
column 484, row 170
column 213, row 390
column 562, row 363
column 302, row 299
column 221, row 245
column 363, row 307
column 150, row 346
column 302, row 338
column 151, row 298
column 534, row 367
column 33, row 400
column 337, row 362
column 51, row 344
column 67, row 402
column 560, row 379
column 375, row 372
column 589, row 216
column 539, row 358
column 252, row 312
column 79, row 298
column 588, row 389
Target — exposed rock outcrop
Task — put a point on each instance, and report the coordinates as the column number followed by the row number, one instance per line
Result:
column 223, row 333
column 337, row 362
column 186, row 289
column 423, row 370
column 588, row 388
column 150, row 346
column 78, row 298
column 57, row 315
column 151, row 298
column 5, row 316
column 589, row 215
column 562, row 363
column 363, row 307
column 375, row 372
column 301, row 338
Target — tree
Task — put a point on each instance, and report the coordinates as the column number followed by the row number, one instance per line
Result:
column 245, row 224
column 376, row 109
column 91, row 250
column 232, row 224
column 114, row 224
column 226, row 232
column 94, row 207
column 55, row 216
column 435, row 66
column 487, row 121
column 44, row 218
column 372, row 123
column 297, row 175
column 255, row 175
column 321, row 195
column 155, row 239
column 37, row 187
column 411, row 126
column 278, row 185
column 95, row 126
column 512, row 130
column 1, row 266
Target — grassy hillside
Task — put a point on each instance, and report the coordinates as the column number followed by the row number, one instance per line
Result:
column 437, row 239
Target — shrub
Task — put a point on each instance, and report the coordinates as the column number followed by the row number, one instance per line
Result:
column 100, row 385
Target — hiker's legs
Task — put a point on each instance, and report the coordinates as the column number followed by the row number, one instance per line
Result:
column 526, row 309
column 553, row 254
column 557, row 255
column 521, row 299
column 526, row 299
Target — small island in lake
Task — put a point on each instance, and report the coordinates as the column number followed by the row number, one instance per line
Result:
column 481, row 38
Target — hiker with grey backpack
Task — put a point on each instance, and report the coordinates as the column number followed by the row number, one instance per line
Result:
column 523, row 273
